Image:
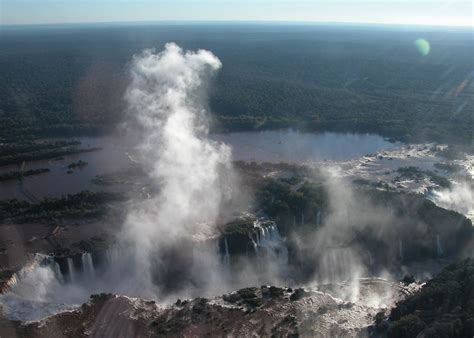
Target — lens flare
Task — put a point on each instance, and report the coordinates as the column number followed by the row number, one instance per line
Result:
column 423, row 46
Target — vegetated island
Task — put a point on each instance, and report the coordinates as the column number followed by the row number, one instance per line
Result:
column 14, row 175
column 79, row 164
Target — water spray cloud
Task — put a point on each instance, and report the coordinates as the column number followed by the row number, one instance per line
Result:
column 460, row 197
column 167, row 98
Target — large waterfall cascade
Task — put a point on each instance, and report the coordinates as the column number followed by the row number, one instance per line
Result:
column 63, row 282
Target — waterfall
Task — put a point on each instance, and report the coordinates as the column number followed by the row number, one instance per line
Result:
column 266, row 241
column 302, row 218
column 112, row 255
column 271, row 240
column 57, row 271
column 338, row 264
column 439, row 249
column 294, row 221
column 87, row 265
column 47, row 286
column 400, row 249
column 226, row 255
column 371, row 260
column 318, row 218
column 273, row 233
column 70, row 266
column 109, row 256
column 253, row 243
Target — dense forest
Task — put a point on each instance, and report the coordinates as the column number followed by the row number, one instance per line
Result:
column 70, row 81
column 443, row 308
column 82, row 205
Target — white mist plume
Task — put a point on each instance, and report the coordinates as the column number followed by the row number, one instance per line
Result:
column 335, row 247
column 460, row 197
column 193, row 173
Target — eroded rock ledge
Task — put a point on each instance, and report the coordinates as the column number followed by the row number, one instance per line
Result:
column 263, row 311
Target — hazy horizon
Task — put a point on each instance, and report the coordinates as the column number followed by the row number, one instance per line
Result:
column 388, row 12
column 282, row 23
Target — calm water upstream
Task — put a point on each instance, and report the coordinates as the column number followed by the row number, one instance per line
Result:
column 297, row 147
column 264, row 146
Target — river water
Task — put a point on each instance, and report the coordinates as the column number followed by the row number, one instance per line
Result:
column 366, row 156
column 297, row 147
column 118, row 155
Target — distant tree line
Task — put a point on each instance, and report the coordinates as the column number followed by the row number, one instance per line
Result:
column 356, row 80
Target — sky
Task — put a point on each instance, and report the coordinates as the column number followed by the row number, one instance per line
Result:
column 412, row 12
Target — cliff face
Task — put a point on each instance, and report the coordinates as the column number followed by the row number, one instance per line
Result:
column 263, row 311
column 105, row 315
column 443, row 308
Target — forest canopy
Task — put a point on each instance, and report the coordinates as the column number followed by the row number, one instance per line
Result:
column 71, row 81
